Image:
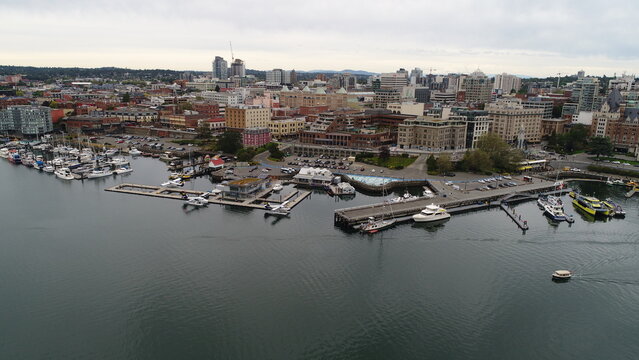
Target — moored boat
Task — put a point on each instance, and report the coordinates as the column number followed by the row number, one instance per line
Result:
column 591, row 205
column 431, row 213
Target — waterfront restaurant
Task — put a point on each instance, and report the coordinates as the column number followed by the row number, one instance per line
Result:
column 244, row 188
column 310, row 176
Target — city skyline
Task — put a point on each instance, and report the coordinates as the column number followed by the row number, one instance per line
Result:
column 540, row 39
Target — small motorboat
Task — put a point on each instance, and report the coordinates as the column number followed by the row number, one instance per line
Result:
column 64, row 174
column 123, row 170
column 48, row 169
column 428, row 193
column 99, row 173
column 278, row 187
column 561, row 275
column 135, row 152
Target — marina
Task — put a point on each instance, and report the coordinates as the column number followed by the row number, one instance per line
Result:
column 292, row 198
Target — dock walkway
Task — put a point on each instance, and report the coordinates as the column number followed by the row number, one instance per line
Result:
column 461, row 202
column 257, row 202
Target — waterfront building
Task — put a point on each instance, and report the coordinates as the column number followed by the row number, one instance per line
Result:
column 316, row 177
column 509, row 116
column 26, row 119
column 244, row 188
column 478, row 87
column 220, row 68
column 92, row 124
column 247, row 116
column 432, row 134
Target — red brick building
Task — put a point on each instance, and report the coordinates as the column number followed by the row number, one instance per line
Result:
column 256, row 137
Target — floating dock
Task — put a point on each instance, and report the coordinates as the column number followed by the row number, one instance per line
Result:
column 257, row 202
column 354, row 216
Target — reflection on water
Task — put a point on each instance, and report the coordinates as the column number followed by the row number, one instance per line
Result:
column 143, row 278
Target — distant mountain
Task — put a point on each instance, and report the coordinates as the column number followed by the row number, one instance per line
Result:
column 353, row 72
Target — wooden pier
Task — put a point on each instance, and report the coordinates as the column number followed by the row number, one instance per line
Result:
column 354, row 216
column 257, row 202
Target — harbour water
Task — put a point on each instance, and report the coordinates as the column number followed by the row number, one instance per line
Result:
column 87, row 274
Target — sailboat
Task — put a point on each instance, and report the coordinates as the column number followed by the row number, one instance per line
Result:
column 374, row 225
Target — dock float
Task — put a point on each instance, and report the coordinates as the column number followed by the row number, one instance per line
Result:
column 523, row 224
column 354, row 216
column 257, row 202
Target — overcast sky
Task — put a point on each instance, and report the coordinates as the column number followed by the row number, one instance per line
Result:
column 535, row 38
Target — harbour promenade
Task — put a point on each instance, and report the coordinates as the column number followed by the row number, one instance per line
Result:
column 454, row 201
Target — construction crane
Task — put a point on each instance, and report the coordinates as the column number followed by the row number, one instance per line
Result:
column 231, row 46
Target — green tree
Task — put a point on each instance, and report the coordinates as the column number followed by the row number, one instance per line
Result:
column 600, row 145
column 502, row 155
column 384, row 153
column 275, row 152
column 229, row 142
column 126, row 98
column 431, row 163
column 203, row 132
column 444, row 164
column 477, row 161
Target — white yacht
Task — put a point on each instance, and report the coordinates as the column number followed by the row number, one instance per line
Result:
column 98, row 173
column 64, row 174
column 123, row 170
column 428, row 193
column 118, row 161
column 278, row 187
column 48, row 169
column 431, row 213
column 135, row 152
column 4, row 153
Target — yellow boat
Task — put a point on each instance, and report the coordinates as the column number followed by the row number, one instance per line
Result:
column 591, row 205
column 572, row 194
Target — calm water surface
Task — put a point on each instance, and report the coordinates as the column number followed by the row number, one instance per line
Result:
column 88, row 274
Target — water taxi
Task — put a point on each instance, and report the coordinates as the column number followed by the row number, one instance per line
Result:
column 561, row 275
column 591, row 205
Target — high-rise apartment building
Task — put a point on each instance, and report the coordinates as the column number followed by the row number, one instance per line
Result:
column 238, row 68
column 220, row 68
column 585, row 93
column 26, row 119
column 478, row 87
column 278, row 77
column 507, row 83
column 509, row 117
